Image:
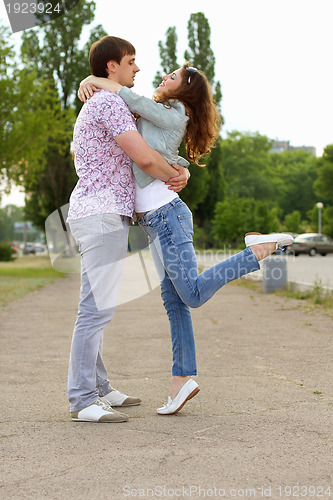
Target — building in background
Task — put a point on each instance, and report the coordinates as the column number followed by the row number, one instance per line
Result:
column 281, row 146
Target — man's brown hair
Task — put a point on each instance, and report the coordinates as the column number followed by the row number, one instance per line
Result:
column 108, row 48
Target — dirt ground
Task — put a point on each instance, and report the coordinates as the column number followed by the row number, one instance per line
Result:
column 261, row 426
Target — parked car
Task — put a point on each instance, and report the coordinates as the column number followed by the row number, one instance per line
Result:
column 40, row 248
column 28, row 248
column 311, row 243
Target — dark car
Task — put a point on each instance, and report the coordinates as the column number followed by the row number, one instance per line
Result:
column 311, row 243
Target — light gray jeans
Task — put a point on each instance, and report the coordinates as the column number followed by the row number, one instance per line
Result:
column 102, row 241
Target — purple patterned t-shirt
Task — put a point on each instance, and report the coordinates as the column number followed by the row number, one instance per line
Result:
column 106, row 182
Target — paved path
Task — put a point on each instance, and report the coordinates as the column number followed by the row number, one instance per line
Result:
column 261, row 423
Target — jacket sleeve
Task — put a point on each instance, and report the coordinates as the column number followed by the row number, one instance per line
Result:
column 182, row 162
column 152, row 111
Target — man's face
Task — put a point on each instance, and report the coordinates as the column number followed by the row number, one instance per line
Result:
column 126, row 71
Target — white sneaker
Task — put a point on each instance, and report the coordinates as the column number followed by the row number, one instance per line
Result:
column 188, row 391
column 280, row 239
column 99, row 411
column 116, row 398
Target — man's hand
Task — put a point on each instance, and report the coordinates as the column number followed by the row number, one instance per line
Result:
column 178, row 183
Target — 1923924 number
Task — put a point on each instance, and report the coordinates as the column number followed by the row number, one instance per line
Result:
column 33, row 8
column 304, row 491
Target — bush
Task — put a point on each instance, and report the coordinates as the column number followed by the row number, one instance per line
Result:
column 234, row 217
column 7, row 253
column 292, row 222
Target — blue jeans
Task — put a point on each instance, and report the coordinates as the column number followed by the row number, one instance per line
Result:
column 102, row 241
column 170, row 232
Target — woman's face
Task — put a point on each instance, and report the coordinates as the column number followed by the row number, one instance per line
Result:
column 171, row 81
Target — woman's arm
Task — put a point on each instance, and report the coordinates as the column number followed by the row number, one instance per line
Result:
column 156, row 113
column 93, row 84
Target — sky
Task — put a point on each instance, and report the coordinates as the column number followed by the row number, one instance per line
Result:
column 273, row 59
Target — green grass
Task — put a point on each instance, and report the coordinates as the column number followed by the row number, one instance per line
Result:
column 24, row 275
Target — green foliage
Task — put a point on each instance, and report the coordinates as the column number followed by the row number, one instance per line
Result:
column 200, row 236
column 34, row 120
column 8, row 216
column 207, row 185
column 324, row 189
column 200, row 53
column 328, row 221
column 197, row 185
column 244, row 185
column 56, row 54
column 168, row 55
column 6, row 252
column 236, row 216
column 215, row 185
column 292, row 222
column 247, row 166
column 31, row 118
column 324, row 183
column 51, row 189
column 37, row 124
column 293, row 176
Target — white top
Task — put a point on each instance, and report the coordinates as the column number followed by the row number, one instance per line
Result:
column 153, row 196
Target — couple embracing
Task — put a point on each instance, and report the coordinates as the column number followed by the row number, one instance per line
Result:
column 126, row 166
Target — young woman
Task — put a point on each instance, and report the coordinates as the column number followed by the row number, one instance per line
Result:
column 182, row 107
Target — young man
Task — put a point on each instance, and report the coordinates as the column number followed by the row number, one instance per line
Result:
column 105, row 143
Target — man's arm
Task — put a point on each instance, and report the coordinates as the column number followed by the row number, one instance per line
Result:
column 149, row 160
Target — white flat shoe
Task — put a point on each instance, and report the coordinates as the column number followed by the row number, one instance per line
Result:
column 280, row 239
column 188, row 391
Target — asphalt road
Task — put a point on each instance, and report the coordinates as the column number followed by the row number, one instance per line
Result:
column 302, row 269
column 311, row 270
column 260, row 427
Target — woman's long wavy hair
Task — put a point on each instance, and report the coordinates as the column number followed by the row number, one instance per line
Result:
column 203, row 125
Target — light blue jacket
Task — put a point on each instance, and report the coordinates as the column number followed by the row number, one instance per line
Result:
column 163, row 127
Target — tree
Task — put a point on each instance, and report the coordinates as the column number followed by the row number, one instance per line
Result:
column 234, row 217
column 210, row 180
column 212, row 186
column 246, row 163
column 292, row 222
column 8, row 216
column 57, row 55
column 200, row 53
column 293, row 174
column 327, row 219
column 7, row 101
column 324, row 183
column 61, row 65
column 206, row 185
column 168, row 55
column 30, row 114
